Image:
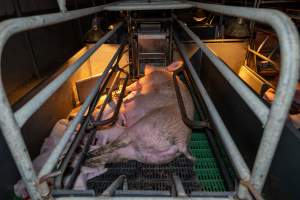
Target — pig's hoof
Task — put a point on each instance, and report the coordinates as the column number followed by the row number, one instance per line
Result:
column 190, row 157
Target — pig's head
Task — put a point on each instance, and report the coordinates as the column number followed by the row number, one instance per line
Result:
column 171, row 68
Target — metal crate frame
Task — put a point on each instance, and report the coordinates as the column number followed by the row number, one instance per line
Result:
column 272, row 119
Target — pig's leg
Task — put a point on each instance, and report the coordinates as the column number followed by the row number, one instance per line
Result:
column 87, row 173
column 182, row 148
column 118, row 155
column 136, row 86
column 112, row 146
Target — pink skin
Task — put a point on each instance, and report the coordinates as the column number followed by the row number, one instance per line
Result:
column 110, row 133
column 155, row 133
column 155, row 76
column 157, row 138
column 49, row 144
column 154, row 90
column 87, row 173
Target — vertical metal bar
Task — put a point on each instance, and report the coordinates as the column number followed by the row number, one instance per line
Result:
column 62, row 5
column 113, row 187
column 16, row 144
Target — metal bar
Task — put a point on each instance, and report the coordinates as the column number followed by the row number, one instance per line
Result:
column 116, row 112
column 16, row 144
column 58, row 183
column 203, row 115
column 265, row 58
column 78, row 137
column 24, row 113
column 9, row 126
column 234, row 154
column 71, row 193
column 178, row 186
column 190, row 123
column 76, row 170
column 62, row 5
column 279, row 1
column 290, row 61
column 50, row 163
column 143, row 5
column 142, row 193
column 113, row 187
column 144, row 198
column 259, row 108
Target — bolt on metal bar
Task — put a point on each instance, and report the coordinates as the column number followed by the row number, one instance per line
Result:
column 24, row 113
column 290, row 62
column 53, row 158
column 234, row 154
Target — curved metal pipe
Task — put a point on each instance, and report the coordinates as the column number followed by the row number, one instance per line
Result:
column 274, row 120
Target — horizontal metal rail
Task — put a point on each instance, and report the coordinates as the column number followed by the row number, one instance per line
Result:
column 10, row 126
column 146, row 5
column 53, row 158
column 24, row 113
column 144, row 198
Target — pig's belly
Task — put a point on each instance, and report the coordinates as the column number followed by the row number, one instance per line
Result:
column 159, row 157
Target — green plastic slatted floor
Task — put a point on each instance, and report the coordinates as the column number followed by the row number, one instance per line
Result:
column 205, row 167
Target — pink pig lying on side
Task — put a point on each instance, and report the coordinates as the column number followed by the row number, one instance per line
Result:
column 156, row 133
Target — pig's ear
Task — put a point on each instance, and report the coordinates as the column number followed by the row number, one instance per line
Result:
column 174, row 66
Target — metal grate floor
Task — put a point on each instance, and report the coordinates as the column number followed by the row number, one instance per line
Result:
column 203, row 175
column 206, row 168
column 149, row 177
